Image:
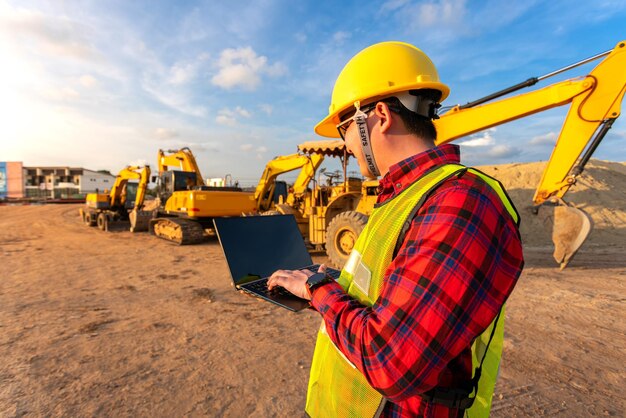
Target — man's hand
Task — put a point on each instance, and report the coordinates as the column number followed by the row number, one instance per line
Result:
column 294, row 281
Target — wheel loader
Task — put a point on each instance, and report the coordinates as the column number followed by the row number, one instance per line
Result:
column 331, row 212
column 122, row 203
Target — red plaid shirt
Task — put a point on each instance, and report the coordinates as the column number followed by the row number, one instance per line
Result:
column 458, row 264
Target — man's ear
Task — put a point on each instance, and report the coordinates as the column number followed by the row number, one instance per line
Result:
column 385, row 117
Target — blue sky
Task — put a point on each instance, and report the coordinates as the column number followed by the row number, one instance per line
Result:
column 102, row 84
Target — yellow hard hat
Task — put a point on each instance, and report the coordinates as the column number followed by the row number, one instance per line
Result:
column 378, row 71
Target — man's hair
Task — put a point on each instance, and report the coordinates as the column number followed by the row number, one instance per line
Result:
column 415, row 124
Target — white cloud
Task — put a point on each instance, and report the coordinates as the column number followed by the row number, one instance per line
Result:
column 87, row 81
column 164, row 133
column 260, row 150
column 242, row 67
column 300, row 37
column 491, row 155
column 171, row 95
column 341, row 36
column 481, row 149
column 546, row 139
column 440, row 13
column 392, row 5
column 54, row 36
column 502, row 151
column 242, row 112
column 170, row 85
column 228, row 117
column 266, row 108
column 183, row 72
column 275, row 70
column 440, row 23
column 433, row 21
column 482, row 140
column 225, row 120
column 621, row 134
column 64, row 94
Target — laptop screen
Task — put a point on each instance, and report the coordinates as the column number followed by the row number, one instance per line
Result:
column 260, row 245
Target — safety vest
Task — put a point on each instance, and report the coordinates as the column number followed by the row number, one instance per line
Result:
column 336, row 387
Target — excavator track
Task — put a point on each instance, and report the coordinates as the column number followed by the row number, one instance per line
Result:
column 179, row 231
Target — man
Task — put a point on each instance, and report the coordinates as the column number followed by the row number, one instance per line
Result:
column 419, row 301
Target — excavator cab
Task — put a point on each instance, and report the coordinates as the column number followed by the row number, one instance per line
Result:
column 280, row 192
column 130, row 194
column 175, row 181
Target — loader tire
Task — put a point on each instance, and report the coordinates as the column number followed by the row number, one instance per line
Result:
column 87, row 219
column 341, row 235
column 102, row 221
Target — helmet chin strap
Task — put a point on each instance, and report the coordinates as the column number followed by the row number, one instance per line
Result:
column 360, row 118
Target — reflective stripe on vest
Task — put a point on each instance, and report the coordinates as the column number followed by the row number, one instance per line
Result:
column 336, row 387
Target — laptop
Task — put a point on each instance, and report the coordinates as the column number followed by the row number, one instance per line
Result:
column 257, row 246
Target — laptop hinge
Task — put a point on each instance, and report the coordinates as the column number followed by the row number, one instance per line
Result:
column 249, row 278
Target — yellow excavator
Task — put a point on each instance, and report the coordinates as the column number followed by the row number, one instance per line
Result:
column 186, row 206
column 125, row 199
column 333, row 216
column 271, row 194
column 595, row 103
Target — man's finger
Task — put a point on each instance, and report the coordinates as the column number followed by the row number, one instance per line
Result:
column 275, row 280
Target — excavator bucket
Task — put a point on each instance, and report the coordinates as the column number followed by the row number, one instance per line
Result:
column 140, row 220
column 570, row 230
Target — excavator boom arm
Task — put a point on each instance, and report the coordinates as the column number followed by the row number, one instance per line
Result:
column 285, row 164
column 130, row 173
column 594, row 99
column 141, row 188
column 182, row 159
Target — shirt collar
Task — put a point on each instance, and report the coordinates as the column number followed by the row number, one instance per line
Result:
column 407, row 171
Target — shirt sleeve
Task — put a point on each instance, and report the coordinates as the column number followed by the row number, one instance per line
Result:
column 459, row 262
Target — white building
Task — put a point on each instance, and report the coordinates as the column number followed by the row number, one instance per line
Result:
column 64, row 182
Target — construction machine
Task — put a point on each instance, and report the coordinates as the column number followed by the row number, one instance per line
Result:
column 124, row 201
column 595, row 102
column 333, row 216
column 185, row 205
column 333, row 212
column 273, row 196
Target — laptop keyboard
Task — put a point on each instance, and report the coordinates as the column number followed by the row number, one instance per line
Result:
column 334, row 273
column 261, row 285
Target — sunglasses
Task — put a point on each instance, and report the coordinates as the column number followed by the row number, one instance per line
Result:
column 343, row 126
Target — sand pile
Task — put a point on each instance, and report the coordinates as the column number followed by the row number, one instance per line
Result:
column 600, row 192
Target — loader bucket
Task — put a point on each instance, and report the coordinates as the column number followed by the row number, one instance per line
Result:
column 139, row 220
column 570, row 230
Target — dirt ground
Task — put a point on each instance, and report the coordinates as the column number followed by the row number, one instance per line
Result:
column 121, row 324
